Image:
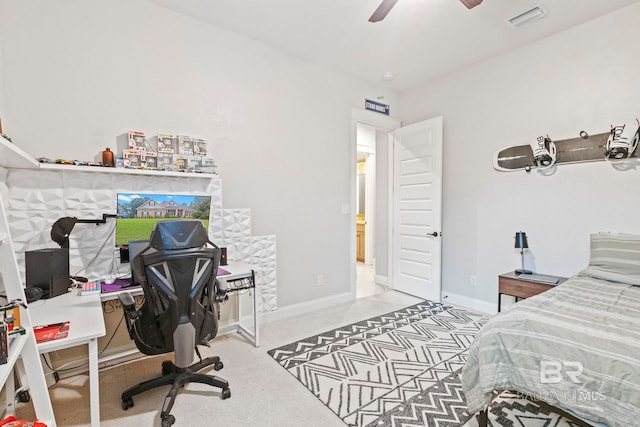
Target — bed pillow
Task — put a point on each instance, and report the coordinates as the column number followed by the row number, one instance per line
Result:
column 615, row 257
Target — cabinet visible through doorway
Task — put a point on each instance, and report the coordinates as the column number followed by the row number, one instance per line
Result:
column 360, row 241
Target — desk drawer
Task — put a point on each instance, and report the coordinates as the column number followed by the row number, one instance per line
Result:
column 521, row 288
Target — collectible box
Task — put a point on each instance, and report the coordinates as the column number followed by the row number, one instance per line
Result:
column 132, row 158
column 208, row 165
column 167, row 143
column 150, row 160
column 165, row 161
column 137, row 141
column 200, row 147
column 194, row 163
column 180, row 162
column 185, row 145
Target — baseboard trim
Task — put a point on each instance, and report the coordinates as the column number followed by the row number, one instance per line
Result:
column 472, row 303
column 229, row 326
column 129, row 352
column 381, row 280
column 305, row 307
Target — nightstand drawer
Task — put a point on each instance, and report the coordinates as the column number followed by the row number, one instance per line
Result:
column 521, row 289
column 511, row 284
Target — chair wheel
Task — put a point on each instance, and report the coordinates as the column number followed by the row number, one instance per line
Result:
column 168, row 420
column 127, row 403
column 226, row 393
column 218, row 366
column 167, row 367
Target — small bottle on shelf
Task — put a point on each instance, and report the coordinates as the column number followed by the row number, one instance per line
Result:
column 107, row 158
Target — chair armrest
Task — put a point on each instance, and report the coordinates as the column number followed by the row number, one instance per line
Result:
column 129, row 305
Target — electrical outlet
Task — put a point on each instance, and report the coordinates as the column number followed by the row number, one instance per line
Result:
column 473, row 280
column 320, row 280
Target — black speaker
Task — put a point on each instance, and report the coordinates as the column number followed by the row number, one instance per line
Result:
column 47, row 272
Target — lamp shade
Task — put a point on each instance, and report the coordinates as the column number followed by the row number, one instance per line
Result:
column 61, row 229
column 521, row 240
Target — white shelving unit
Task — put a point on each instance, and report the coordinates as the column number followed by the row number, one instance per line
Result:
column 22, row 346
column 15, row 158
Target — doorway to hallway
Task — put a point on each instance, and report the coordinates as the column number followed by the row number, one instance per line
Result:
column 371, row 209
column 370, row 141
column 366, row 285
column 403, row 234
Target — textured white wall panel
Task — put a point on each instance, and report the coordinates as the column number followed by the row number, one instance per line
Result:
column 260, row 252
column 236, row 223
column 263, row 259
column 36, row 199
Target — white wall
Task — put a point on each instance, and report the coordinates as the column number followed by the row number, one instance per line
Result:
column 2, row 116
column 585, row 78
column 79, row 74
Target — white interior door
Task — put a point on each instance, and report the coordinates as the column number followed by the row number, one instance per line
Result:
column 417, row 209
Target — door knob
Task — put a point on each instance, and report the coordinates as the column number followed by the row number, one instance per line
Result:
column 434, row 234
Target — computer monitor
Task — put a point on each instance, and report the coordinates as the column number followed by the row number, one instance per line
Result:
column 138, row 213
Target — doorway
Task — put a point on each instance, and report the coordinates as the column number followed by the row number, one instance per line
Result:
column 365, row 217
column 370, row 142
column 406, row 243
column 371, row 207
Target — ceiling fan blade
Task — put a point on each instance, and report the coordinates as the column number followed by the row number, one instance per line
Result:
column 471, row 3
column 382, row 10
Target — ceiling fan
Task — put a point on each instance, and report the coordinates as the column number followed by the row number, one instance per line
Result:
column 386, row 6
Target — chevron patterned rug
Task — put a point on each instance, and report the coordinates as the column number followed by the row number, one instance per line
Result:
column 400, row 369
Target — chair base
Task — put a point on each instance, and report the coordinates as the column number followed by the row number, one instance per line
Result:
column 178, row 377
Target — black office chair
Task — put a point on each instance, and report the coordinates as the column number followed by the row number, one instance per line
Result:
column 177, row 272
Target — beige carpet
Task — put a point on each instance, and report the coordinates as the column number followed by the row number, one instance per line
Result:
column 70, row 396
column 262, row 393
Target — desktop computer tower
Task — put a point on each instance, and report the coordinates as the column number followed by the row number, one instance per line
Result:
column 47, row 272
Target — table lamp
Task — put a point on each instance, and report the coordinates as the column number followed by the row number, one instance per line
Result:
column 521, row 243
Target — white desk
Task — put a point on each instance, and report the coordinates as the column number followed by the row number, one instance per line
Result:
column 241, row 277
column 241, row 271
column 86, row 325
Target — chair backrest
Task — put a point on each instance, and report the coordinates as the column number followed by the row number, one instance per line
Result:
column 177, row 272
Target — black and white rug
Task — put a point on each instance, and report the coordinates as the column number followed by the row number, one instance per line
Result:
column 400, row 369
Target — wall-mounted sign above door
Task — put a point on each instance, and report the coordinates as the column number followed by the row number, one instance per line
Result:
column 378, row 107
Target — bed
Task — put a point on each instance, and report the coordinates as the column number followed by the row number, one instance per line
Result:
column 575, row 347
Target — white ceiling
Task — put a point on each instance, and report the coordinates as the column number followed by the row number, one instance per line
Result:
column 419, row 40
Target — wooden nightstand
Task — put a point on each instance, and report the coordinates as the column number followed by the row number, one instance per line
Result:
column 514, row 285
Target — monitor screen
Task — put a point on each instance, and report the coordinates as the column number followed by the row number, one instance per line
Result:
column 139, row 213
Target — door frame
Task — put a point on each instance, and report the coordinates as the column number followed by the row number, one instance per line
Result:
column 380, row 121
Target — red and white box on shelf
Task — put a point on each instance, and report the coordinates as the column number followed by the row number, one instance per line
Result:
column 133, row 158
column 137, row 141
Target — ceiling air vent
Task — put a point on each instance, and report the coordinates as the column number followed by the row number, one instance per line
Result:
column 528, row 16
